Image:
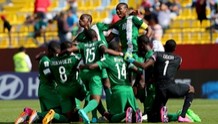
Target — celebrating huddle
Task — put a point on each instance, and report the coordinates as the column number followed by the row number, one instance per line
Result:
column 80, row 70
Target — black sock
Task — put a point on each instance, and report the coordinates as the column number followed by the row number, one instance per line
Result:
column 101, row 108
column 187, row 103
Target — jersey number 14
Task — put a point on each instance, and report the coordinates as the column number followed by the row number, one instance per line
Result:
column 121, row 71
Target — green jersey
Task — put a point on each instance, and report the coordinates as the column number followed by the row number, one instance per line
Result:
column 116, row 69
column 44, row 70
column 99, row 29
column 90, row 51
column 64, row 69
column 81, row 37
column 128, row 31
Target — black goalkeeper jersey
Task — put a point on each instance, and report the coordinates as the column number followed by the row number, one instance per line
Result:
column 166, row 65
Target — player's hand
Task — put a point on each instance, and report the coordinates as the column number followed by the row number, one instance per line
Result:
column 121, row 54
column 130, row 60
column 127, row 55
column 81, row 67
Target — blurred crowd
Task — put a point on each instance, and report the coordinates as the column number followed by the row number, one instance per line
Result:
column 67, row 22
column 157, row 13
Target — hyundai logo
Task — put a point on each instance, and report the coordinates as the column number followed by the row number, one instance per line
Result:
column 11, row 86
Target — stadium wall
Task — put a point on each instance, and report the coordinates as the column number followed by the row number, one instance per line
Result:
column 199, row 68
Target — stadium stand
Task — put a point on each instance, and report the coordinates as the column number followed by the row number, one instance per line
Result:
column 185, row 28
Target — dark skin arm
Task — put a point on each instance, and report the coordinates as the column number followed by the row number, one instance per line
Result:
column 149, row 32
column 144, row 65
column 40, row 55
column 104, row 49
column 110, row 37
column 73, row 49
column 69, row 50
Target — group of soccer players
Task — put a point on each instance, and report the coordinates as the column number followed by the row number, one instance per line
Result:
column 76, row 71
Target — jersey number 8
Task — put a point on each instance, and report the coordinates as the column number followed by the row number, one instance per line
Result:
column 63, row 75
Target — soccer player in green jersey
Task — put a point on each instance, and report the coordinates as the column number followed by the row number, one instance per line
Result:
column 128, row 29
column 91, row 52
column 69, row 86
column 124, row 104
column 49, row 99
column 86, row 22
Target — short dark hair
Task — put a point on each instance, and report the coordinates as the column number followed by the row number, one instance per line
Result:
column 90, row 34
column 114, row 45
column 170, row 45
column 65, row 45
column 144, row 39
column 124, row 4
column 88, row 16
column 54, row 46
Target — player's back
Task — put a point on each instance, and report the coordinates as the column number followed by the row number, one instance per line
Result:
column 166, row 66
column 90, row 51
column 116, row 69
column 64, row 68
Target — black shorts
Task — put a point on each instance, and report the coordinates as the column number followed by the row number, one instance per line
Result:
column 171, row 90
column 176, row 90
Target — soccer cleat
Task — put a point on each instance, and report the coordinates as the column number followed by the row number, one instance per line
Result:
column 194, row 116
column 129, row 112
column 33, row 117
column 163, row 114
column 28, row 110
column 138, row 115
column 48, row 117
column 22, row 117
column 84, row 116
column 185, row 119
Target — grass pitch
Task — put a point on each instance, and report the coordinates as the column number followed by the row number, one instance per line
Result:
column 206, row 109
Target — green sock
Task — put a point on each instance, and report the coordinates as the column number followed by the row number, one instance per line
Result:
column 149, row 100
column 92, row 104
column 118, row 117
column 108, row 97
column 77, row 103
column 172, row 116
column 60, row 118
column 41, row 115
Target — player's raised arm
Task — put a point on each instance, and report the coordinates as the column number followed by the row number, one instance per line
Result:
column 149, row 32
column 110, row 37
column 40, row 55
column 139, row 22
